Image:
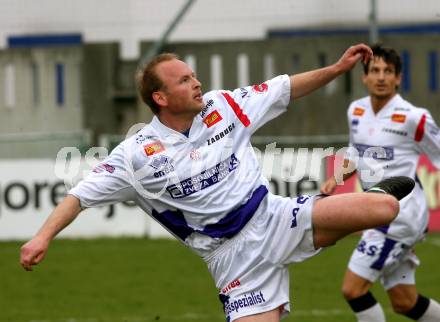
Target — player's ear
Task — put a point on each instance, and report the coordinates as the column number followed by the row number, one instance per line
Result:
column 398, row 79
column 160, row 98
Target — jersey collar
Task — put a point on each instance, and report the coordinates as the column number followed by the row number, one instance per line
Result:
column 173, row 135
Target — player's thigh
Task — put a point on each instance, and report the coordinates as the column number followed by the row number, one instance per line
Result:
column 337, row 216
column 270, row 316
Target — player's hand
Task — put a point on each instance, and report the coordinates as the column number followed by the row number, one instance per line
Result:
column 329, row 186
column 354, row 54
column 33, row 252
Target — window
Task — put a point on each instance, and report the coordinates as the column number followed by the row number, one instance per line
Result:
column 59, row 85
column 242, row 70
column 35, row 79
column 322, row 60
column 433, row 71
column 296, row 60
column 269, row 66
column 192, row 63
column 216, row 72
column 406, row 71
column 10, row 98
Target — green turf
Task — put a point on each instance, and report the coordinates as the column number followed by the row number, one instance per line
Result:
column 139, row 280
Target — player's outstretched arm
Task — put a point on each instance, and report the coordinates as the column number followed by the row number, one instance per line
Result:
column 305, row 83
column 34, row 250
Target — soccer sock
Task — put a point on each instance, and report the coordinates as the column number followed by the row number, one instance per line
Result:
column 425, row 310
column 367, row 309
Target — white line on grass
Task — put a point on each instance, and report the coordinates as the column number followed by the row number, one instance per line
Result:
column 434, row 241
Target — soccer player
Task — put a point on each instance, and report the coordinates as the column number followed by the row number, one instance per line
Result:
column 192, row 169
column 389, row 134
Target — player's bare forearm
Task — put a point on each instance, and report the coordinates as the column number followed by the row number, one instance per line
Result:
column 305, row 83
column 35, row 250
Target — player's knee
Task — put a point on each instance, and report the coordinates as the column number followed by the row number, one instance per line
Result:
column 351, row 293
column 389, row 208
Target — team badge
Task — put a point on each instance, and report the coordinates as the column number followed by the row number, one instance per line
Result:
column 261, row 88
column 104, row 167
column 358, row 111
column 212, row 118
column 399, row 118
column 195, row 155
column 153, row 148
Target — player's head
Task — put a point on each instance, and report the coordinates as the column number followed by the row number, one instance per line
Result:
column 382, row 73
column 167, row 84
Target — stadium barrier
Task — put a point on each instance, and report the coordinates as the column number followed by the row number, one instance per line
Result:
column 30, row 189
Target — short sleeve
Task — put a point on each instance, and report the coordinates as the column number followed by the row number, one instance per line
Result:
column 427, row 137
column 108, row 183
column 256, row 105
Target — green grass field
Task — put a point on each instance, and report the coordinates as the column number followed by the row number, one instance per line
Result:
column 139, row 280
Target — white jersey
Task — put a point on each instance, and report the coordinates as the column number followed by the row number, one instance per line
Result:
column 203, row 188
column 389, row 143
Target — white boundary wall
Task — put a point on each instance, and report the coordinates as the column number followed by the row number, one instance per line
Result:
column 129, row 21
column 29, row 190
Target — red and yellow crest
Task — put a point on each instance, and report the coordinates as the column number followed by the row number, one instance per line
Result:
column 153, row 148
column 212, row 118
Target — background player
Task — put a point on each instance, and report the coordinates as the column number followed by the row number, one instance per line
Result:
column 192, row 169
column 393, row 132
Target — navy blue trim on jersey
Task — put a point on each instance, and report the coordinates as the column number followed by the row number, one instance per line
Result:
column 383, row 229
column 234, row 221
column 386, row 249
column 227, row 227
column 175, row 222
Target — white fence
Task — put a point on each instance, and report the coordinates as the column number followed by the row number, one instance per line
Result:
column 29, row 190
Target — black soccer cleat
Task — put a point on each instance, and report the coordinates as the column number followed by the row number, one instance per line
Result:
column 399, row 187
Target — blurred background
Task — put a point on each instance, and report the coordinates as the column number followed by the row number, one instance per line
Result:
column 67, row 80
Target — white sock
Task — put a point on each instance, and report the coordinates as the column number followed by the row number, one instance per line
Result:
column 373, row 314
column 432, row 313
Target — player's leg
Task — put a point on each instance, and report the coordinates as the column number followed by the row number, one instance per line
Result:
column 406, row 300
column 337, row 216
column 356, row 292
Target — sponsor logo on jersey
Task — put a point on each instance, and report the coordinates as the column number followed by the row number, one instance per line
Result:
column 399, row 118
column 358, row 111
column 404, row 109
column 141, row 138
column 230, row 286
column 204, row 179
column 355, row 122
column 104, row 167
column 244, row 92
column 153, row 148
column 163, row 164
column 244, row 301
column 261, row 88
column 208, row 104
column 212, row 118
column 221, row 135
column 375, row 152
column 393, row 131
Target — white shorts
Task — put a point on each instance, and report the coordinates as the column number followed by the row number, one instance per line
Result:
column 376, row 256
column 250, row 270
